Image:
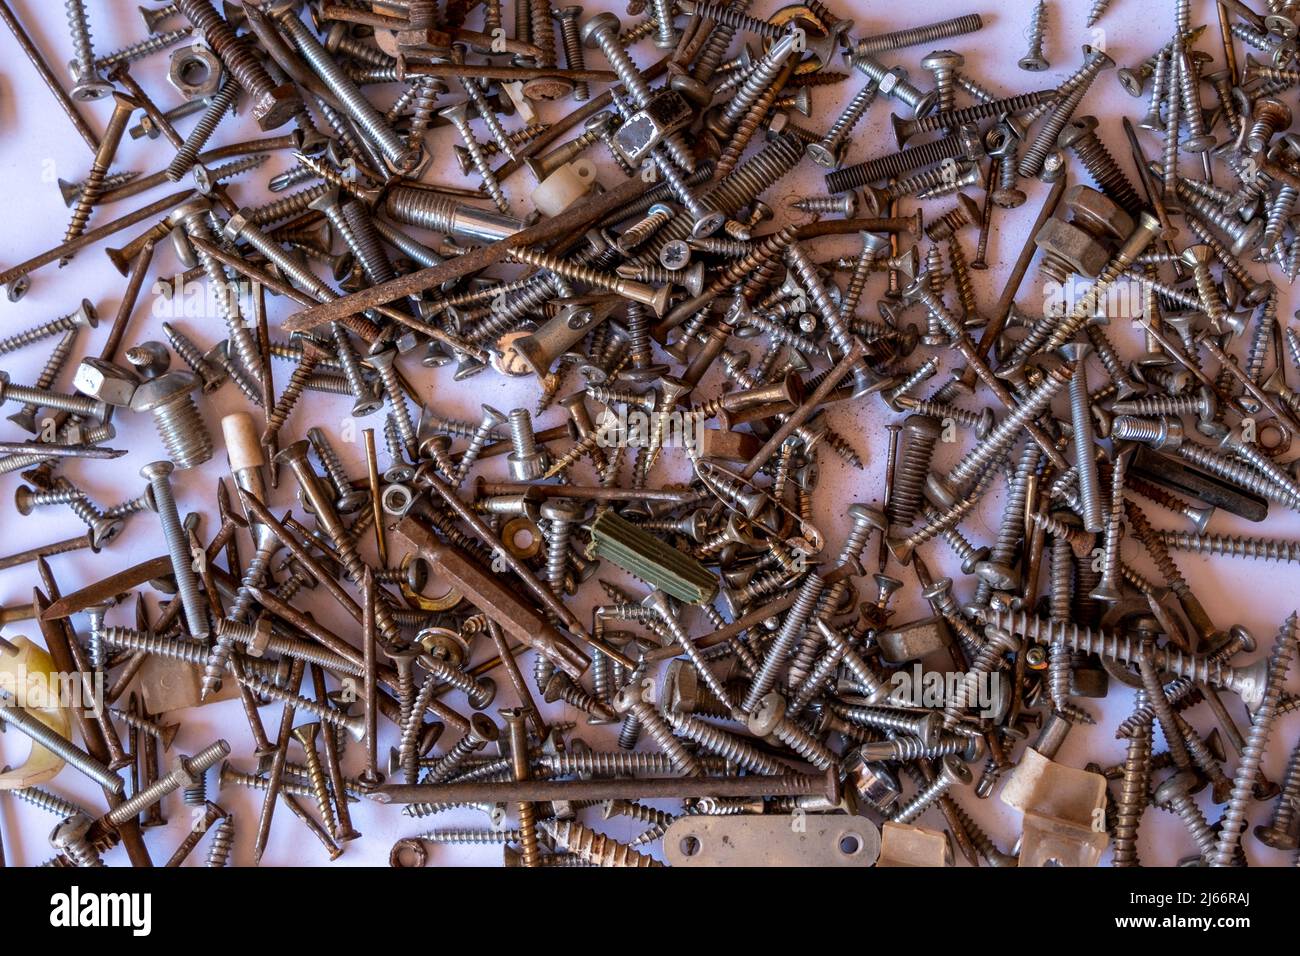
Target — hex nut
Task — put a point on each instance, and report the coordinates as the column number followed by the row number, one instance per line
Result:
column 106, row 381
column 195, row 71
column 1085, row 254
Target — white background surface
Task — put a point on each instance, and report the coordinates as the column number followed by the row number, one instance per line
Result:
column 37, row 144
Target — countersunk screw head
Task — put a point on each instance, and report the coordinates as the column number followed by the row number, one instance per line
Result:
column 482, row 730
column 157, row 470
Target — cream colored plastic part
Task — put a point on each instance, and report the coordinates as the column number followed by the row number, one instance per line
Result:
column 908, row 845
column 560, row 190
column 1065, row 812
column 28, row 673
column 243, row 444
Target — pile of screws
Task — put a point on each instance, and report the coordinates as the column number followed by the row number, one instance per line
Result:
column 746, row 651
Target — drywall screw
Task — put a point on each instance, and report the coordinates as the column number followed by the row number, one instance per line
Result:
column 210, row 378
column 25, row 417
column 196, row 618
column 84, row 317
column 102, row 528
column 458, row 116
column 349, row 499
column 628, row 703
column 142, row 48
column 1034, row 61
column 763, row 78
column 87, row 83
column 306, row 735
column 1234, row 817
column 486, row 429
column 70, row 191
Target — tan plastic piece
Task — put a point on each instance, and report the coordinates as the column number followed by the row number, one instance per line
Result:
column 560, row 190
column 1064, row 810
column 28, row 673
column 243, row 444
column 908, row 845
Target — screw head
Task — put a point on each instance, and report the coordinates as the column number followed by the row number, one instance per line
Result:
column 598, row 25
column 767, row 716
column 156, row 470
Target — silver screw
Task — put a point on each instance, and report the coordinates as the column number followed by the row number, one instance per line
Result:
column 178, row 546
column 1034, row 61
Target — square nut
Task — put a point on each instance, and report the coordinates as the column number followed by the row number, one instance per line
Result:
column 106, row 382
column 665, row 113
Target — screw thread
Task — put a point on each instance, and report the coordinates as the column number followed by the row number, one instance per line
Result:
column 1252, row 754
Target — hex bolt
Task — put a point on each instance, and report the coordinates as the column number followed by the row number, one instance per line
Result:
column 186, row 772
column 273, row 105
column 892, row 82
column 72, row 404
